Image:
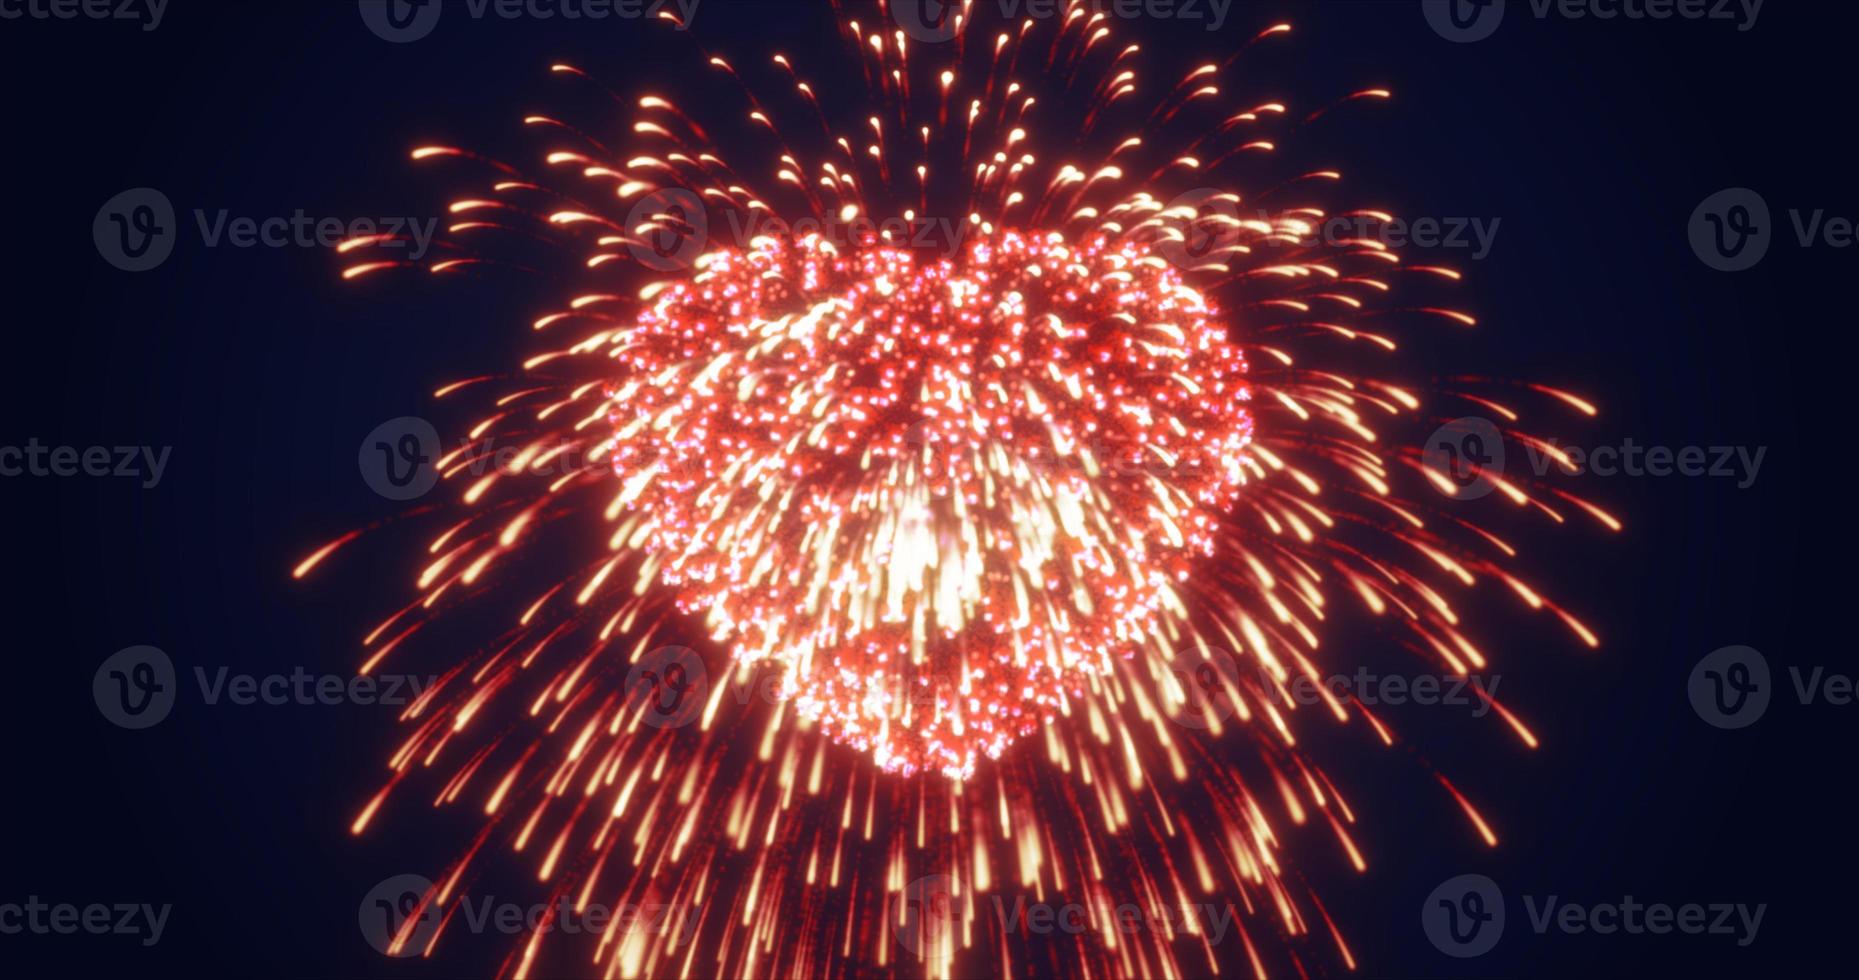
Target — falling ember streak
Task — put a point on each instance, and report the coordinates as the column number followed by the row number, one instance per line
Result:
column 1001, row 554
column 309, row 564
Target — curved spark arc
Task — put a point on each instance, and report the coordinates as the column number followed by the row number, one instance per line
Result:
column 1107, row 799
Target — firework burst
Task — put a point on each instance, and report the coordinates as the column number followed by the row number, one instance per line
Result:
column 895, row 491
column 994, row 526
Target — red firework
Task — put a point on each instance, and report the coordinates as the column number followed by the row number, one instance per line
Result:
column 1050, row 487
column 932, row 492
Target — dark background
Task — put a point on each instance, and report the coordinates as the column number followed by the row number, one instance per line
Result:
column 1592, row 141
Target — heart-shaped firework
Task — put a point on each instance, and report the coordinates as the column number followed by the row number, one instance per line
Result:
column 940, row 494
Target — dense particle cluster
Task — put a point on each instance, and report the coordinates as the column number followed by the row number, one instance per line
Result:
column 935, row 492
